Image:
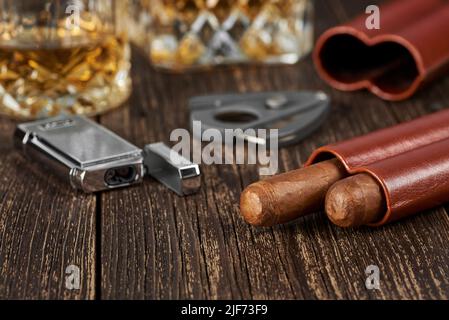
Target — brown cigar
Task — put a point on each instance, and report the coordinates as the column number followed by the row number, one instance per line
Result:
column 291, row 195
column 355, row 201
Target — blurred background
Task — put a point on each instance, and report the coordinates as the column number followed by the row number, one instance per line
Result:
column 73, row 56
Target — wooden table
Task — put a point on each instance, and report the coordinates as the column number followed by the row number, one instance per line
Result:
column 147, row 243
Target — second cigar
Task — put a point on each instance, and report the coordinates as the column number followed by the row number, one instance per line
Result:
column 355, row 201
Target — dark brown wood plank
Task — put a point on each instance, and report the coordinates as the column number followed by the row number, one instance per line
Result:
column 44, row 228
column 156, row 245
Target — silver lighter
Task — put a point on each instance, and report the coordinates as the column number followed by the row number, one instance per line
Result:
column 93, row 158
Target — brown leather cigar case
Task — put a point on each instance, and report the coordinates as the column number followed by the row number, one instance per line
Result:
column 410, row 48
column 410, row 161
column 413, row 181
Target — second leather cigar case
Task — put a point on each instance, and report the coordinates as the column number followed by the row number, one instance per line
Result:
column 409, row 48
column 410, row 161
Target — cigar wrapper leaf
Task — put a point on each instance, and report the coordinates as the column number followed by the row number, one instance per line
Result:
column 288, row 196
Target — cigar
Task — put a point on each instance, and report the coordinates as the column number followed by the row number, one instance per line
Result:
column 355, row 201
column 288, row 196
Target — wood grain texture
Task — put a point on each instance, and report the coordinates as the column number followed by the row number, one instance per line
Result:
column 44, row 228
column 156, row 245
column 147, row 243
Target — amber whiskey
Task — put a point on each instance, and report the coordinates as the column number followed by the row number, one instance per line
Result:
column 64, row 73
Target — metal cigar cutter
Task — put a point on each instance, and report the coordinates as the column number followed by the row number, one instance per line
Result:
column 294, row 114
column 93, row 158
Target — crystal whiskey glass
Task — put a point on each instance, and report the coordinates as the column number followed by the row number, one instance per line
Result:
column 179, row 34
column 62, row 56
